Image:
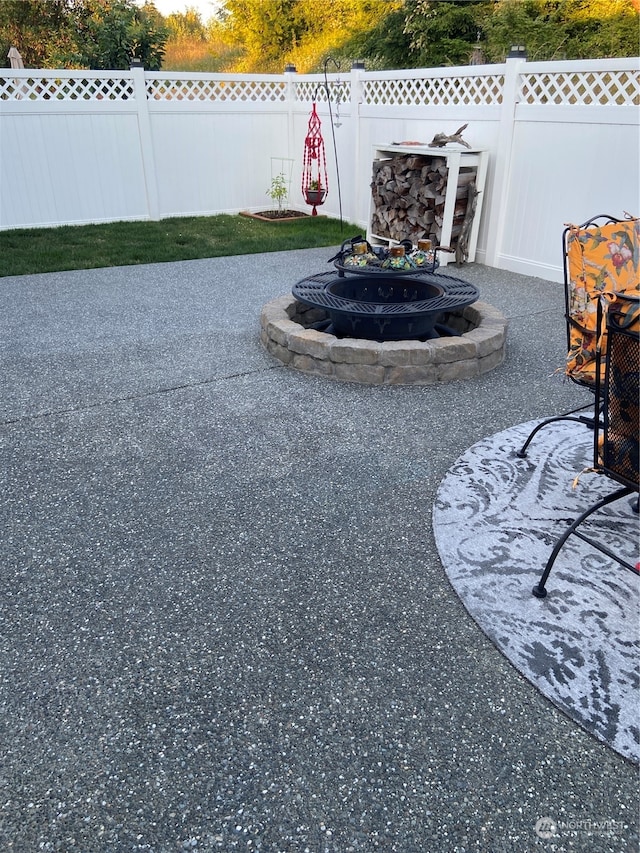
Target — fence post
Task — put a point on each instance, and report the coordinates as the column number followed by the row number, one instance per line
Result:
column 146, row 140
column 357, row 70
column 290, row 96
column 502, row 161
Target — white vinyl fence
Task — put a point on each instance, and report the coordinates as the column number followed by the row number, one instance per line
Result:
column 96, row 146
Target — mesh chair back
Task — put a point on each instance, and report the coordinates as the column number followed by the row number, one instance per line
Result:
column 618, row 436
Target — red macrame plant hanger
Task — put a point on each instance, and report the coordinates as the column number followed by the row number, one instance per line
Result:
column 315, row 185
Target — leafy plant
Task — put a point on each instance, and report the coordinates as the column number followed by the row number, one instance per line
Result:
column 279, row 190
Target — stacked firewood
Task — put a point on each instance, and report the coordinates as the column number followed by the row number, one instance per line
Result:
column 408, row 198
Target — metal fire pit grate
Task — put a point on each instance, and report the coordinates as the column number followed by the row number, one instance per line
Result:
column 385, row 308
column 455, row 293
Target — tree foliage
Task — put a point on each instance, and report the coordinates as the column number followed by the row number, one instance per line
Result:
column 563, row 29
column 443, row 33
column 40, row 29
column 424, row 33
column 186, row 25
column 386, row 45
column 265, row 35
column 264, row 32
column 271, row 33
column 83, row 33
column 116, row 31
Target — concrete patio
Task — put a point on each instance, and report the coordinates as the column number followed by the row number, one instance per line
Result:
column 226, row 625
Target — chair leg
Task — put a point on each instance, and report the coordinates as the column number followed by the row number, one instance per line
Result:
column 539, row 589
column 583, row 419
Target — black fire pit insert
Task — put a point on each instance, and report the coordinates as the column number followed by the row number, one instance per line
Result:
column 385, row 307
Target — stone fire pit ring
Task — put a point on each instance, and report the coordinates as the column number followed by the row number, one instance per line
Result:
column 480, row 347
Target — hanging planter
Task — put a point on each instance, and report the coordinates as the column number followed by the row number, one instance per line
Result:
column 315, row 184
column 315, row 194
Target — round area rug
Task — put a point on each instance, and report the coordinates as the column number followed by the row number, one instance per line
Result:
column 496, row 520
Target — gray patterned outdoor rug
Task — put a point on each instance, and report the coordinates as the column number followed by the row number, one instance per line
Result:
column 496, row 520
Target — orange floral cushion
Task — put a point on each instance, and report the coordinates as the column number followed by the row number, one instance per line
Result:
column 601, row 261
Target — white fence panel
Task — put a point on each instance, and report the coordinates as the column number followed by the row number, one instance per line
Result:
column 208, row 163
column 564, row 171
column 70, row 168
column 574, row 154
column 213, row 139
column 69, row 149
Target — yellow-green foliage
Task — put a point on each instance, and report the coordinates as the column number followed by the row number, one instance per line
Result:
column 192, row 46
column 262, row 36
column 271, row 33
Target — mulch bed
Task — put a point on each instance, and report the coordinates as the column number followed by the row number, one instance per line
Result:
column 276, row 215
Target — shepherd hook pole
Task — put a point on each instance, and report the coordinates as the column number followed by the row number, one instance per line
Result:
column 333, row 132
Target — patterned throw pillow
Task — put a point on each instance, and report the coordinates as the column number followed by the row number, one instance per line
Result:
column 601, row 261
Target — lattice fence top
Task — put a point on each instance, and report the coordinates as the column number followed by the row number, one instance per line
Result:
column 215, row 90
column 68, row 88
column 308, row 90
column 439, row 91
column 619, row 88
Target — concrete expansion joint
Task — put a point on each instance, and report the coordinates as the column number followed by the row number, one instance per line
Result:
column 110, row 401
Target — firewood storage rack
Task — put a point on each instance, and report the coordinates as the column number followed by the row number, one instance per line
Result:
column 432, row 207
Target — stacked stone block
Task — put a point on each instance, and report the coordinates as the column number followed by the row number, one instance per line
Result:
column 285, row 333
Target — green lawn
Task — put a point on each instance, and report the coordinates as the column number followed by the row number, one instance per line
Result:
column 71, row 247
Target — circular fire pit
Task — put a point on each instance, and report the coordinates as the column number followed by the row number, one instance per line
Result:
column 385, row 307
column 288, row 332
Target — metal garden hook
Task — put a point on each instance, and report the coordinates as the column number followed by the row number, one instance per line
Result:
column 333, row 126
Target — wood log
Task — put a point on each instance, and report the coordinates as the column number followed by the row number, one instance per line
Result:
column 460, row 209
column 428, row 191
column 465, row 178
column 414, row 161
column 462, row 245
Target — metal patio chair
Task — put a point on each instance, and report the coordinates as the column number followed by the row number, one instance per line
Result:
column 601, row 259
column 617, row 431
